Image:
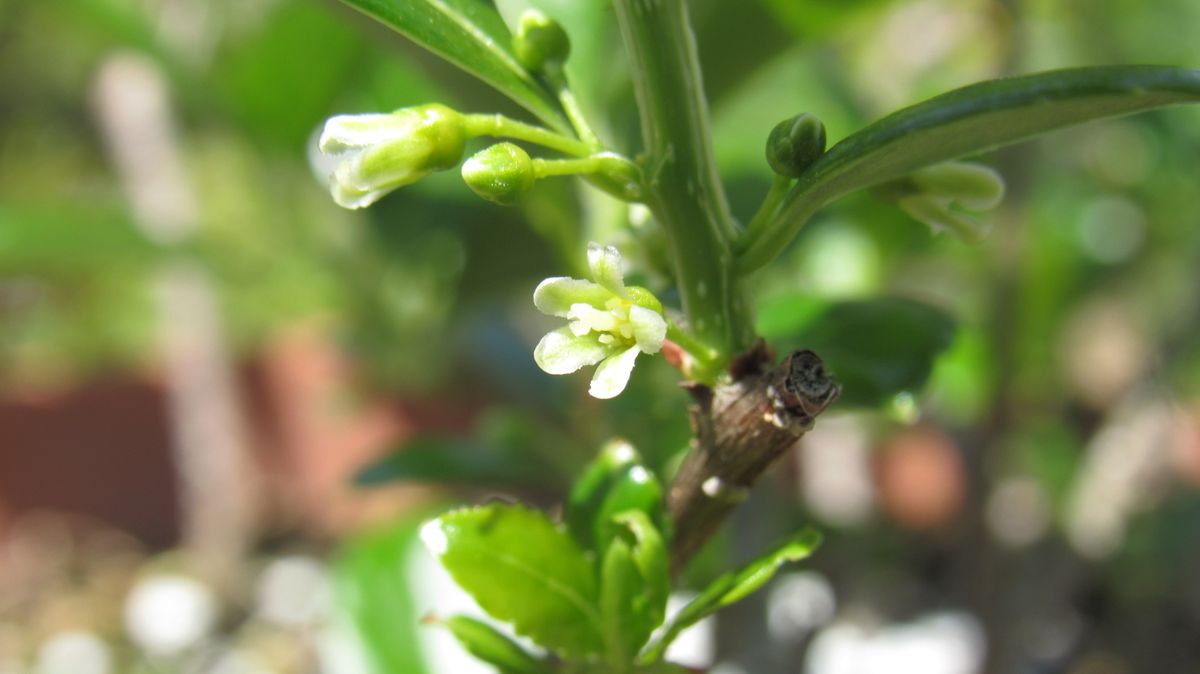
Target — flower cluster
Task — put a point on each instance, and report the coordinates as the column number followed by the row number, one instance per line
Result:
column 609, row 323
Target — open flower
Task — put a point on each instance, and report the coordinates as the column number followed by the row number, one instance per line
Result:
column 608, row 323
column 380, row 152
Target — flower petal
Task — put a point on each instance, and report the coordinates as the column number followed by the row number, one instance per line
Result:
column 397, row 163
column 348, row 196
column 352, row 132
column 613, row 374
column 649, row 328
column 605, row 263
column 554, row 296
column 561, row 352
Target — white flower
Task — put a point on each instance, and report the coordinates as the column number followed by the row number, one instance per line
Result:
column 608, row 323
column 380, row 152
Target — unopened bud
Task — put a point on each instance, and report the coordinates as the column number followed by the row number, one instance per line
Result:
column 502, row 173
column 973, row 186
column 795, row 144
column 380, row 152
column 540, row 41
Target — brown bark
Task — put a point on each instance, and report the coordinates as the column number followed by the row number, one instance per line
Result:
column 741, row 428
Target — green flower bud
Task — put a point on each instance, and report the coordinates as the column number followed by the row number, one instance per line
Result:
column 973, row 186
column 540, row 41
column 380, row 152
column 795, row 144
column 502, row 173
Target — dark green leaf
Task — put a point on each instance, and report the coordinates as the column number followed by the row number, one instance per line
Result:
column 733, row 587
column 614, row 483
column 445, row 460
column 875, row 348
column 471, row 35
column 634, row 584
column 486, row 643
column 967, row 121
column 524, row 570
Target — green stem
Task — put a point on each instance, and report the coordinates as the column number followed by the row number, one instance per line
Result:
column 704, row 355
column 503, row 127
column 766, row 211
column 544, row 168
column 685, row 192
column 607, row 170
column 566, row 97
column 758, row 247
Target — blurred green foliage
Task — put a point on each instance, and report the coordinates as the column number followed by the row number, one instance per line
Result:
column 430, row 290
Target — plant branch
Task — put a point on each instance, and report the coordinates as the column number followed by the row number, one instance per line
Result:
column 741, row 429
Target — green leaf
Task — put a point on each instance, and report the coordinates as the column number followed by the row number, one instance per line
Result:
column 524, row 570
column 614, row 483
column 634, row 584
column 967, row 121
column 445, row 460
column 373, row 592
column 733, row 587
column 471, row 35
column 488, row 644
column 875, row 348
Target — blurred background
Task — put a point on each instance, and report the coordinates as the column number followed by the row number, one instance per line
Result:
column 226, row 404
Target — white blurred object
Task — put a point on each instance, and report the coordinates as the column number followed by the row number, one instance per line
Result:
column 340, row 648
column 799, row 603
column 74, row 652
column 237, row 662
column 167, row 614
column 695, row 647
column 132, row 102
column 835, row 470
column 1111, row 229
column 1127, row 466
column 293, row 591
column 727, row 668
column 940, row 643
column 1018, row 512
column 840, row 261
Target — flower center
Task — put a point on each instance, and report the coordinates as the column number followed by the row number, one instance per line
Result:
column 612, row 323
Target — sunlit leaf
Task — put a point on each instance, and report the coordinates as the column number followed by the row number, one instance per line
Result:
column 522, row 569
column 471, row 35
column 733, row 587
column 614, row 483
column 486, row 643
column 634, row 584
column 970, row 120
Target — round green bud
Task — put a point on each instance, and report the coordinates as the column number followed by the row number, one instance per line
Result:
column 502, row 173
column 795, row 144
column 540, row 41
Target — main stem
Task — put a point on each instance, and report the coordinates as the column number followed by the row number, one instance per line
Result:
column 748, row 411
column 685, row 191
